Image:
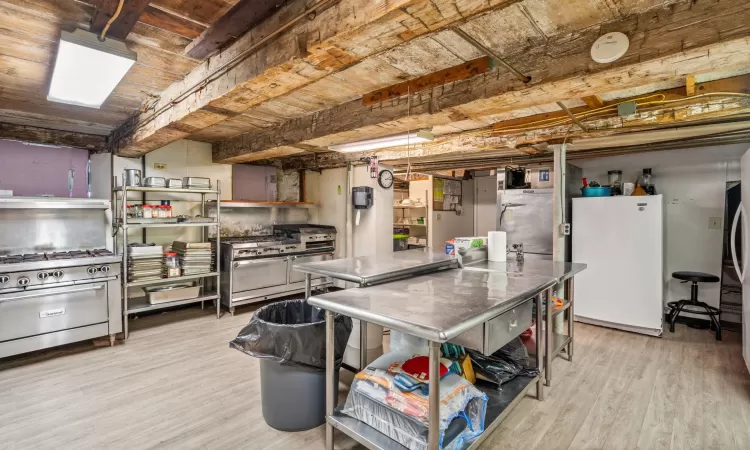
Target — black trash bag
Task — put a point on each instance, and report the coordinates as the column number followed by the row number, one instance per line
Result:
column 293, row 332
column 504, row 365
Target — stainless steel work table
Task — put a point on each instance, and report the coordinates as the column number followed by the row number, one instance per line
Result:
column 562, row 272
column 370, row 270
column 438, row 307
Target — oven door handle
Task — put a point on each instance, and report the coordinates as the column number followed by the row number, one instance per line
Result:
column 312, row 254
column 44, row 294
column 258, row 261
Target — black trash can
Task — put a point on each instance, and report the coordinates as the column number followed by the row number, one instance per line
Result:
column 290, row 338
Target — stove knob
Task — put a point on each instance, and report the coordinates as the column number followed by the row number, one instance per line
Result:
column 57, row 273
column 4, row 279
column 104, row 269
column 91, row 270
column 23, row 281
column 42, row 275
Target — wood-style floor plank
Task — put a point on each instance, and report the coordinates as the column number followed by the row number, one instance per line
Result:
column 176, row 384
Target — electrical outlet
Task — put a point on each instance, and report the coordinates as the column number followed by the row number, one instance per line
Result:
column 565, row 229
column 714, row 223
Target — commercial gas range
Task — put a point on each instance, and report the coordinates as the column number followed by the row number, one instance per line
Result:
column 61, row 295
column 258, row 268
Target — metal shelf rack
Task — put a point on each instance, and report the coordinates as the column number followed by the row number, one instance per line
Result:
column 136, row 305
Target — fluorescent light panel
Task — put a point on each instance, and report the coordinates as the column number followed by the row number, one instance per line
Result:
column 399, row 140
column 87, row 70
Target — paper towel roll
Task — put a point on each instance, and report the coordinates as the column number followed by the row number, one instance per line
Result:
column 497, row 243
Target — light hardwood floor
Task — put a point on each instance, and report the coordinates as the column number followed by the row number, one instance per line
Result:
column 176, row 384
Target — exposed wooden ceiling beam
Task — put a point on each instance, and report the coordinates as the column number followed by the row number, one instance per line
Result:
column 690, row 85
column 46, row 136
column 690, row 112
column 452, row 74
column 253, row 73
column 174, row 24
column 237, row 21
column 126, row 20
column 593, row 101
column 560, row 70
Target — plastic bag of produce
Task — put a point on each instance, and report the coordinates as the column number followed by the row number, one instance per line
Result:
column 292, row 332
column 504, row 365
column 375, row 400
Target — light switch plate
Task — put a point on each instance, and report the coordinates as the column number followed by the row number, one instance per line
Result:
column 714, row 223
column 160, row 166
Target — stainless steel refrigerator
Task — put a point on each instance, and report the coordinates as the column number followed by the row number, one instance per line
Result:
column 527, row 215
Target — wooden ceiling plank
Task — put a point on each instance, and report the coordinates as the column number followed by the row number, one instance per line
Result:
column 445, row 76
column 175, row 24
column 238, row 21
column 554, row 79
column 340, row 39
column 46, row 136
column 125, row 21
column 593, row 101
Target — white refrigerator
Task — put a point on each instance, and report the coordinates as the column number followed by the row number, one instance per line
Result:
column 622, row 241
column 739, row 258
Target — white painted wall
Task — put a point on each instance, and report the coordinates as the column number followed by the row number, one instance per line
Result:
column 447, row 225
column 693, row 182
column 485, row 205
column 327, row 190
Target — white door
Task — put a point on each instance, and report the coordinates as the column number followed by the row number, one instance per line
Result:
column 485, row 213
column 740, row 223
column 621, row 240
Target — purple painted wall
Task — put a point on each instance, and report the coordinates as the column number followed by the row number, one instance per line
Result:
column 30, row 170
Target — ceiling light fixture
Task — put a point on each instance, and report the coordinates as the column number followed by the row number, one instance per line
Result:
column 87, row 70
column 398, row 140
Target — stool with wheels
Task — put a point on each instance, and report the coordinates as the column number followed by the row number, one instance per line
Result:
column 693, row 306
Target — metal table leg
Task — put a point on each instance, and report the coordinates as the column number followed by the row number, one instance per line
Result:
column 362, row 345
column 433, row 431
column 539, row 349
column 308, row 285
column 571, row 296
column 331, row 388
column 548, row 340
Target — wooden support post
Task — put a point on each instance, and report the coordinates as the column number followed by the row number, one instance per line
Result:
column 690, row 85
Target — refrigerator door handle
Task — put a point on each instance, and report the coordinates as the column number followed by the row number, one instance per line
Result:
column 732, row 245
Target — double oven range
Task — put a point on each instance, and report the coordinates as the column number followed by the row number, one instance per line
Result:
column 67, row 293
column 258, row 268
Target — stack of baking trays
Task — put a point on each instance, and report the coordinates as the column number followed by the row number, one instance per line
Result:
column 195, row 257
column 145, row 262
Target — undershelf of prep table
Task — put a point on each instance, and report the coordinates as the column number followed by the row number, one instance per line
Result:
column 500, row 403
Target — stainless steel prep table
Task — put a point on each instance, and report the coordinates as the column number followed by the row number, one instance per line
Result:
column 562, row 272
column 438, row 307
column 370, row 270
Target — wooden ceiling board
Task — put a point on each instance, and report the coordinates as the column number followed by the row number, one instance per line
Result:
column 36, row 103
column 371, row 74
column 457, row 45
column 554, row 18
column 55, row 123
column 161, row 19
column 203, row 11
column 507, row 32
column 150, row 36
column 421, row 56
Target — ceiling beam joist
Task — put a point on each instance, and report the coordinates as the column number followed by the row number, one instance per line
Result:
column 560, row 70
column 125, row 21
column 247, row 73
column 34, row 135
column 450, row 75
column 237, row 21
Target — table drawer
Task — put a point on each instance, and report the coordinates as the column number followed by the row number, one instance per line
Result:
column 492, row 335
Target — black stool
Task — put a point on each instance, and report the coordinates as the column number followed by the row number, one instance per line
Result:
column 693, row 306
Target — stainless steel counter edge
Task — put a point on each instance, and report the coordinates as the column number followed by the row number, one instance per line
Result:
column 576, row 268
column 60, row 263
column 391, row 275
column 430, row 334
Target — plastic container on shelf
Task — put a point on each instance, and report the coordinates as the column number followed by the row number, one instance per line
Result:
column 148, row 211
column 171, row 265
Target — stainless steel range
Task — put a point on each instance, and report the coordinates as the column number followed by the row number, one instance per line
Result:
column 257, row 268
column 58, row 282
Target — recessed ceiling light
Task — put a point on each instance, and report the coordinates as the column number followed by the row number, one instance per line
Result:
column 610, row 47
column 399, row 140
column 88, row 70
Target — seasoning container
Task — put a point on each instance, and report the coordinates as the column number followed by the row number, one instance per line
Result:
column 168, row 211
column 148, row 211
column 171, row 265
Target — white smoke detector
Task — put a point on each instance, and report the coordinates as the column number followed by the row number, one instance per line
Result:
column 610, row 47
